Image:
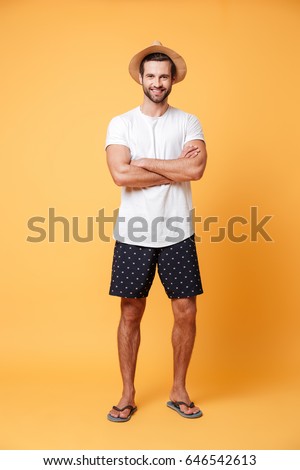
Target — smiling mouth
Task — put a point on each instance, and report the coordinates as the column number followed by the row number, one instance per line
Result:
column 157, row 90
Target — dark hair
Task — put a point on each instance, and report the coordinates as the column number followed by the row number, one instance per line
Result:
column 158, row 57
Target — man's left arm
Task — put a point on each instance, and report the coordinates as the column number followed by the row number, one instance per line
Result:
column 189, row 166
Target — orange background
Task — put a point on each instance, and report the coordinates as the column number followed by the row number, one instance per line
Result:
column 63, row 76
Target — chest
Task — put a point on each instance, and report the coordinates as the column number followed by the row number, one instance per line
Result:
column 156, row 139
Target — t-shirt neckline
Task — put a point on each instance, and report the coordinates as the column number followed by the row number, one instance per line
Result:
column 154, row 118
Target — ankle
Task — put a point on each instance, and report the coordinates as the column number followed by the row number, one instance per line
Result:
column 128, row 393
column 178, row 392
column 179, row 388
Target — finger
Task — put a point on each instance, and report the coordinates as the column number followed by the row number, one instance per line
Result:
column 188, row 151
column 192, row 152
column 192, row 147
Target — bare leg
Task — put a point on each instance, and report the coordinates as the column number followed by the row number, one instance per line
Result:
column 183, row 338
column 128, row 345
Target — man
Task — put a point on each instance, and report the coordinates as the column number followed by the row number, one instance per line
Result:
column 153, row 152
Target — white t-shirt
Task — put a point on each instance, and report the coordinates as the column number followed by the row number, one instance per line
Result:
column 155, row 216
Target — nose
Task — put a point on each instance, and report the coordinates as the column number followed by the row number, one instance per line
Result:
column 156, row 82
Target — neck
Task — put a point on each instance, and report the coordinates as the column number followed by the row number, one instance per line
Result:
column 154, row 109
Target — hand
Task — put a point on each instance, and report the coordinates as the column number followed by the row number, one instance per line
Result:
column 190, row 151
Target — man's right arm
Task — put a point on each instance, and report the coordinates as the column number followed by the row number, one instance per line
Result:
column 124, row 174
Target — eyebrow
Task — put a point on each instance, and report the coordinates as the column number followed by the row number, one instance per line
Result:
column 162, row 75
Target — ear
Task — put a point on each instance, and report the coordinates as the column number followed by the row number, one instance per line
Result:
column 140, row 78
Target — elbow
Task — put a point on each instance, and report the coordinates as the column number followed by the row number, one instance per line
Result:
column 118, row 180
column 197, row 174
column 198, row 171
column 119, row 177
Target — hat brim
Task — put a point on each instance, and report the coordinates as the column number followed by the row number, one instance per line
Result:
column 134, row 65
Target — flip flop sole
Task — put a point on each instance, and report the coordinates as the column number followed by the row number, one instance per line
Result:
column 171, row 405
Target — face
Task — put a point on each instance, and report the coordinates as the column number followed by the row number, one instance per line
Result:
column 157, row 80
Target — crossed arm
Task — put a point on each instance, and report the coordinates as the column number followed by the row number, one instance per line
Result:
column 146, row 172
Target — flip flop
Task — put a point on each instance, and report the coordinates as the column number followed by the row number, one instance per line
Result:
column 174, row 405
column 122, row 420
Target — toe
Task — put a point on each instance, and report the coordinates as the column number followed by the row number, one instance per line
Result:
column 114, row 413
column 189, row 411
column 124, row 414
column 195, row 410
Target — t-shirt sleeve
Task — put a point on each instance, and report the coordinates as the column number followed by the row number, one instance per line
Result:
column 194, row 129
column 116, row 132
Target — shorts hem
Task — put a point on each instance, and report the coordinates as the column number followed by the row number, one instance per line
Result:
column 185, row 296
column 129, row 296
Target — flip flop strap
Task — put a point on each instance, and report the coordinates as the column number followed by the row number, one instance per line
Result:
column 128, row 407
column 177, row 403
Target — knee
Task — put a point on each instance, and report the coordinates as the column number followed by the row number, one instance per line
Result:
column 185, row 311
column 132, row 310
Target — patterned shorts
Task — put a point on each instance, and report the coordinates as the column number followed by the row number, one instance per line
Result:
column 133, row 270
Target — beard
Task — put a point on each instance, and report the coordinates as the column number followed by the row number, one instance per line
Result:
column 157, row 98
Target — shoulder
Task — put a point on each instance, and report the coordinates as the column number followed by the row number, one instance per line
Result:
column 190, row 124
column 180, row 114
column 118, row 131
column 125, row 118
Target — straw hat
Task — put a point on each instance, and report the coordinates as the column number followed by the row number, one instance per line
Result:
column 134, row 66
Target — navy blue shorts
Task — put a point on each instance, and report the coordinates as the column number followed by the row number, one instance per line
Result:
column 133, row 270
